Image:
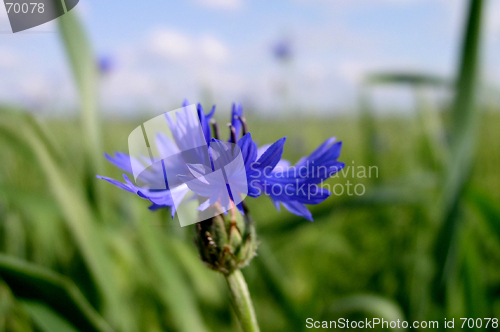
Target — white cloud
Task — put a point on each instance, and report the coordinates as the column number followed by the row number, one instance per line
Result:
column 214, row 49
column 221, row 4
column 493, row 17
column 166, row 66
column 83, row 9
column 8, row 58
column 126, row 86
column 175, row 45
column 170, row 44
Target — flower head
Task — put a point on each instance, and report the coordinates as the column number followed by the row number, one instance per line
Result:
column 259, row 171
column 282, row 49
column 220, row 174
column 105, row 64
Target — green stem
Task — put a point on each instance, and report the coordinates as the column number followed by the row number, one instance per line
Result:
column 242, row 303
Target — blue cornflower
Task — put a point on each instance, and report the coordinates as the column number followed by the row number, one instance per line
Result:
column 105, row 64
column 266, row 172
column 282, row 50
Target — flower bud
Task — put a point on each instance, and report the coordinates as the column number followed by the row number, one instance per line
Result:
column 226, row 242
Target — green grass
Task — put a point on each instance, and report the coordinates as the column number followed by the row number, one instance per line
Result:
column 381, row 247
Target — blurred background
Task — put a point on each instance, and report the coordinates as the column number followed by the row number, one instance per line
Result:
column 411, row 88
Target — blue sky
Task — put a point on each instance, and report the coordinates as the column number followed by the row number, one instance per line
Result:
column 221, row 51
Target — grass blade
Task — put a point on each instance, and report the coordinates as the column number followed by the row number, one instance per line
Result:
column 84, row 68
column 407, row 78
column 488, row 207
column 374, row 305
column 464, row 132
column 172, row 287
column 46, row 319
column 474, row 281
column 77, row 215
column 274, row 278
column 32, row 282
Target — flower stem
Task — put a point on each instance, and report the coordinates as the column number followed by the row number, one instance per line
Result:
column 242, row 303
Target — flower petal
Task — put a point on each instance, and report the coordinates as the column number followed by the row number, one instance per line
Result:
column 117, row 183
column 248, row 150
column 204, row 123
column 271, row 157
column 298, row 209
column 236, row 113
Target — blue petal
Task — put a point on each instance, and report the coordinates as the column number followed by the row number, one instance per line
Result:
column 324, row 153
column 205, row 126
column 236, row 113
column 262, row 149
column 248, row 150
column 298, row 209
column 116, row 183
column 221, row 153
column 300, row 181
column 271, row 157
column 332, row 153
column 154, row 207
column 120, row 160
column 254, row 188
column 211, row 114
column 319, row 150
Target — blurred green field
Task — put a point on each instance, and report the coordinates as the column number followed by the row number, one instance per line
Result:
column 422, row 243
column 376, row 244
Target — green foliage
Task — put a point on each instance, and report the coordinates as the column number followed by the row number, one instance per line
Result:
column 34, row 283
column 374, row 305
